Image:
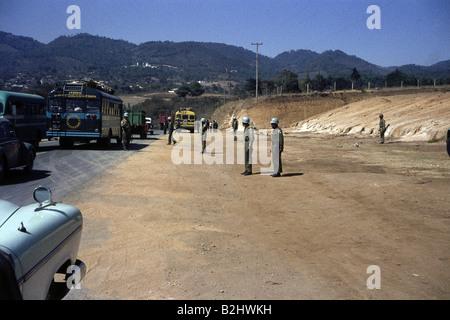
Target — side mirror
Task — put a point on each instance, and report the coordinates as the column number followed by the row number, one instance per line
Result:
column 42, row 195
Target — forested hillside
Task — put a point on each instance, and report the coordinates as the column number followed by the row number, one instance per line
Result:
column 156, row 66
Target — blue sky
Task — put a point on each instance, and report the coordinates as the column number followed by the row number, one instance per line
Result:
column 412, row 31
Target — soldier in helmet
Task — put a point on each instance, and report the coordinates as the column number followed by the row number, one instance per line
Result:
column 171, row 129
column 204, row 130
column 126, row 132
column 248, row 145
column 277, row 146
column 383, row 128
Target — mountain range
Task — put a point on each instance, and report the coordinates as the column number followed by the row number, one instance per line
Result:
column 123, row 63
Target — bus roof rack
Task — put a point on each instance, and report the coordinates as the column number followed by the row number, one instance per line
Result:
column 77, row 85
column 185, row 109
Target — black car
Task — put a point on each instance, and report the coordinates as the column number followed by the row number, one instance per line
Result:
column 13, row 152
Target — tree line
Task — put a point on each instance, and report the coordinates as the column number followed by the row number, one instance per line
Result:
column 288, row 82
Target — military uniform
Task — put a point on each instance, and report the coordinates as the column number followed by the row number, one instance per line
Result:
column 204, row 131
column 277, row 146
column 126, row 133
column 382, row 128
column 171, row 129
column 248, row 148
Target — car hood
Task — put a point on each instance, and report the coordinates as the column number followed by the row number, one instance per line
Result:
column 6, row 210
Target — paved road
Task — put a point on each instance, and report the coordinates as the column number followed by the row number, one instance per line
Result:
column 65, row 170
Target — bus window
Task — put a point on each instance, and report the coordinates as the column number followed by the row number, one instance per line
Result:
column 56, row 105
column 76, row 106
column 41, row 109
column 192, row 117
column 18, row 109
column 93, row 106
column 185, row 117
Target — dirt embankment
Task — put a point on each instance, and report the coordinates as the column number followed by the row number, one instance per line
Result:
column 412, row 115
column 157, row 230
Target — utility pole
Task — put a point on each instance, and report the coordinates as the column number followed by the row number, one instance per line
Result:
column 257, row 44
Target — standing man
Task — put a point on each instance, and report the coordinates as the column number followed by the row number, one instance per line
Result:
column 204, row 131
column 171, row 129
column 248, row 145
column 383, row 128
column 235, row 127
column 165, row 124
column 126, row 132
column 277, row 145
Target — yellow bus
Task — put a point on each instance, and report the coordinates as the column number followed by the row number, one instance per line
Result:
column 185, row 119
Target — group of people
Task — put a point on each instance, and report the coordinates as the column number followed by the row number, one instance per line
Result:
column 127, row 131
column 277, row 145
column 277, row 139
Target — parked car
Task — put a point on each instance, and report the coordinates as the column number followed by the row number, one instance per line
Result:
column 38, row 249
column 13, row 152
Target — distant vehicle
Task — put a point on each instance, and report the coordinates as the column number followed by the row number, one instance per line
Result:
column 13, row 152
column 149, row 123
column 83, row 111
column 27, row 113
column 38, row 249
column 138, row 123
column 185, row 119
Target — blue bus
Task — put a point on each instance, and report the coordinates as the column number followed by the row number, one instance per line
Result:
column 27, row 113
column 82, row 111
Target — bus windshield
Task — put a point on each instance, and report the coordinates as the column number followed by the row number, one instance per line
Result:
column 75, row 106
column 56, row 105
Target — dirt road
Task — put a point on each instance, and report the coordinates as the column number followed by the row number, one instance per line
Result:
column 156, row 230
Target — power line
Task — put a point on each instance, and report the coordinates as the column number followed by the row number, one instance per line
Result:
column 257, row 44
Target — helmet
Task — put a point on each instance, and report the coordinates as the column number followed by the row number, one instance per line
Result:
column 202, row 120
column 274, row 120
column 125, row 114
column 381, row 115
column 234, row 117
column 169, row 118
column 245, row 120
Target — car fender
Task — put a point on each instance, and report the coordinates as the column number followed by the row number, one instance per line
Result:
column 45, row 241
column 24, row 150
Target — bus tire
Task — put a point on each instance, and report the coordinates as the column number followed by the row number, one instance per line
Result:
column 106, row 142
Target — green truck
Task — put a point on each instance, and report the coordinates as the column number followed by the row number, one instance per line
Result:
column 138, row 123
